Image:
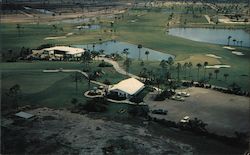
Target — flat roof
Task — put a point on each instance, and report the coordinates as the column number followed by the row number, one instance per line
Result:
column 24, row 115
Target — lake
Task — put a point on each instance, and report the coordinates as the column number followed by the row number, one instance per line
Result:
column 215, row 36
column 118, row 47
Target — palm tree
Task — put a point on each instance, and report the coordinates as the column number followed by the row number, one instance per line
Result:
column 226, row 76
column 18, row 29
column 185, row 66
column 234, row 40
column 147, row 53
column 228, row 40
column 93, row 47
column 125, row 51
column 139, row 47
column 190, row 65
column 210, row 75
column 127, row 64
column 178, row 71
column 198, row 72
column 241, row 43
column 205, row 69
column 170, row 63
column 216, row 73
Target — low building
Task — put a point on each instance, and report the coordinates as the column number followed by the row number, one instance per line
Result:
column 59, row 52
column 127, row 88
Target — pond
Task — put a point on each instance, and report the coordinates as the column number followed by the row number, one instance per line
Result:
column 118, row 47
column 215, row 36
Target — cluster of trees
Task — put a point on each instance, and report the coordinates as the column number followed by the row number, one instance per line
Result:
column 235, row 42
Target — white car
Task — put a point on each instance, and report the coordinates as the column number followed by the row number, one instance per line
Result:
column 184, row 94
column 177, row 98
column 185, row 119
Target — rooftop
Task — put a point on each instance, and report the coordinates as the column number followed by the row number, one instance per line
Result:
column 129, row 86
column 69, row 50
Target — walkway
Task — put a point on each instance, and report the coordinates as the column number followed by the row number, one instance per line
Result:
column 209, row 19
column 117, row 67
column 74, row 70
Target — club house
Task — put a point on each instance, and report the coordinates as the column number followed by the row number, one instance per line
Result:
column 59, row 52
column 127, row 88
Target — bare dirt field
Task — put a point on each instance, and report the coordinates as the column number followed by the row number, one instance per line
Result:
column 224, row 113
column 62, row 132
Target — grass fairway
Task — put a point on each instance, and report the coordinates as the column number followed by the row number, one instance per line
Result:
column 53, row 90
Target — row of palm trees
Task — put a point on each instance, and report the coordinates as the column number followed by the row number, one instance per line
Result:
column 234, row 41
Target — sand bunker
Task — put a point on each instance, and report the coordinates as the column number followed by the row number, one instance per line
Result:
column 52, row 38
column 213, row 56
column 237, row 53
column 229, row 48
column 218, row 66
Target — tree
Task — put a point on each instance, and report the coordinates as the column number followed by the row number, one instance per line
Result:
column 76, row 77
column 228, row 40
column 178, row 71
column 226, row 76
column 185, row 66
column 234, row 40
column 205, row 69
column 190, row 65
column 147, row 53
column 210, row 75
column 241, row 42
column 18, row 27
column 170, row 63
column 216, row 73
column 125, row 51
column 14, row 93
column 127, row 64
column 139, row 47
column 93, row 47
column 198, row 72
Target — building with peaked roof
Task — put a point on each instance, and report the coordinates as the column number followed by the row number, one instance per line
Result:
column 127, row 88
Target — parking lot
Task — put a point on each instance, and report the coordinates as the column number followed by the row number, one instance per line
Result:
column 224, row 113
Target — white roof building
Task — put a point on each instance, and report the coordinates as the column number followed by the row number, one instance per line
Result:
column 127, row 88
column 66, row 49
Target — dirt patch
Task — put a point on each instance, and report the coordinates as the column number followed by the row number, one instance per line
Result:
column 60, row 132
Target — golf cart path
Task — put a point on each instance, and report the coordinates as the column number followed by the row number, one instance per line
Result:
column 117, row 67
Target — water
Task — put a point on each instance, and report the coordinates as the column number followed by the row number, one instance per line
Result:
column 118, row 47
column 215, row 36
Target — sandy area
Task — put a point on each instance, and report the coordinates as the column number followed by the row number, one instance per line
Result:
column 52, row 38
column 237, row 53
column 229, row 48
column 213, row 56
column 85, row 135
column 218, row 66
column 224, row 113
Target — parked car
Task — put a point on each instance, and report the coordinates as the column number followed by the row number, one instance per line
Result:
column 177, row 98
column 160, row 112
column 183, row 94
column 185, row 119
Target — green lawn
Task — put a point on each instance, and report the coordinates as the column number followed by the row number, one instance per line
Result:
column 50, row 89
